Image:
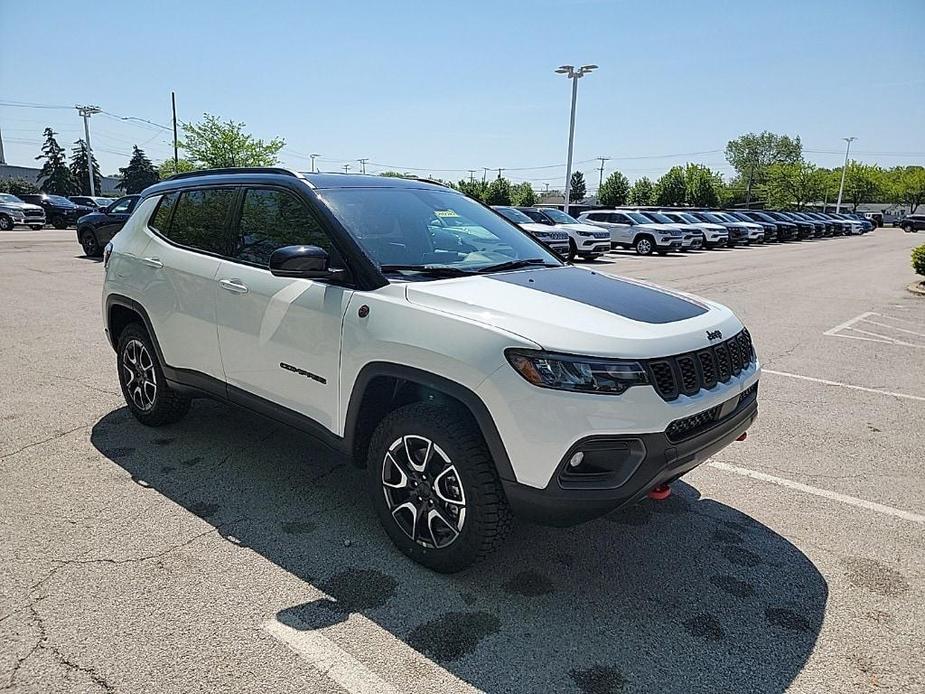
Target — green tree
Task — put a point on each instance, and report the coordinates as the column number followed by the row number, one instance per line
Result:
column 642, row 192
column 671, row 188
column 498, row 193
column 475, row 189
column 166, row 168
column 55, row 177
column 793, row 184
column 214, row 144
column 522, row 195
column 17, row 186
column 701, row 186
column 752, row 153
column 139, row 174
column 395, row 174
column 614, row 190
column 863, row 183
column 80, row 169
column 577, row 187
column 905, row 185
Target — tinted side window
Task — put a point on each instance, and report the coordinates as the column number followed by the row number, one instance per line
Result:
column 123, row 206
column 272, row 219
column 160, row 220
column 199, row 220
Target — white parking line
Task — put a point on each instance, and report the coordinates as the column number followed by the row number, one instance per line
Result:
column 318, row 648
column 844, row 385
column 841, row 330
column 825, row 493
column 848, row 323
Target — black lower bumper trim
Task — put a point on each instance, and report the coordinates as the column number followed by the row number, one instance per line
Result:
column 662, row 463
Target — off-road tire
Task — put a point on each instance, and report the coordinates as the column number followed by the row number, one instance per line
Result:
column 488, row 516
column 169, row 406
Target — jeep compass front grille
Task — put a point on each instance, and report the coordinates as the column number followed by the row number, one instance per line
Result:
column 687, row 427
column 689, row 373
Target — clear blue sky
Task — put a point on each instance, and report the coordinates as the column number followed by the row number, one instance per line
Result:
column 443, row 85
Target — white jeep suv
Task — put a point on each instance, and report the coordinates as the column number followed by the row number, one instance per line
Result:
column 469, row 370
column 633, row 230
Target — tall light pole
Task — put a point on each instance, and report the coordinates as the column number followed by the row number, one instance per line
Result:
column 313, row 161
column 574, row 75
column 844, row 169
column 86, row 112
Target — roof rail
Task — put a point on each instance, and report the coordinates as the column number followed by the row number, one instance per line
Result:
column 239, row 169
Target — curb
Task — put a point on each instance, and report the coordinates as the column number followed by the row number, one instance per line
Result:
column 917, row 288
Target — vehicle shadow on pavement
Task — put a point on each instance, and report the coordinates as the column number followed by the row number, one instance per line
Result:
column 682, row 595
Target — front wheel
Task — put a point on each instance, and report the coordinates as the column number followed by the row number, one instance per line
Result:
column 6, row 222
column 644, row 246
column 907, row 227
column 434, row 486
column 146, row 392
column 59, row 223
column 90, row 244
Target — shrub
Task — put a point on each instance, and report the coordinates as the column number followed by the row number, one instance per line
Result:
column 918, row 259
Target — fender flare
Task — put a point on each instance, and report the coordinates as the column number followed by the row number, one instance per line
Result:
column 467, row 397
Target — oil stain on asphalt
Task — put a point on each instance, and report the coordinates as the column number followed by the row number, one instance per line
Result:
column 599, row 679
column 357, row 590
column 875, row 577
column 453, row 635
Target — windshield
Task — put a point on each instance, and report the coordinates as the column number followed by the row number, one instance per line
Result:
column 638, row 218
column 660, row 218
column 559, row 217
column 515, row 216
column 6, row 197
column 103, row 202
column 689, row 218
column 59, row 200
column 709, row 217
column 425, row 228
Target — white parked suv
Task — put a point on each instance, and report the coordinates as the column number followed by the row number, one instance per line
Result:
column 14, row 211
column 555, row 238
column 713, row 234
column 585, row 240
column 633, row 230
column 470, row 371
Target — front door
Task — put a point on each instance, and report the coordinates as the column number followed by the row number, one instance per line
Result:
column 280, row 337
column 116, row 217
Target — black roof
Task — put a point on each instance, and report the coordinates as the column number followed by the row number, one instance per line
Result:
column 268, row 174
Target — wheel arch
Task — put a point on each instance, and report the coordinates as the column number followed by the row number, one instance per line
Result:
column 381, row 387
column 120, row 311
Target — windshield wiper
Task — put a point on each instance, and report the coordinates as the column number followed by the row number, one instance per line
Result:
column 514, row 264
column 433, row 270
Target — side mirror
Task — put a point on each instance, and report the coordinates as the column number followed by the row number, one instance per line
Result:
column 306, row 262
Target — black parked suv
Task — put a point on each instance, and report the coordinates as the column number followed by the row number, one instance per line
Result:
column 801, row 230
column 912, row 222
column 59, row 211
column 93, row 202
column 738, row 234
column 770, row 228
column 96, row 229
column 786, row 231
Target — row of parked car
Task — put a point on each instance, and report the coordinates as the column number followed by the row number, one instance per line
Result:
column 664, row 229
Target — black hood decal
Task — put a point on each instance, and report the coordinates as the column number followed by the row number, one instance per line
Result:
column 625, row 298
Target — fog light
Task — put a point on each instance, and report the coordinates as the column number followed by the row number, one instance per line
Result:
column 576, row 459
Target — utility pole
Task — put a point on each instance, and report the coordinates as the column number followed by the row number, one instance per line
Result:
column 748, row 191
column 363, row 163
column 484, row 174
column 86, row 112
column 841, row 187
column 346, row 168
column 574, row 75
column 176, row 158
column 499, row 172
column 313, row 161
column 471, row 175
column 601, row 181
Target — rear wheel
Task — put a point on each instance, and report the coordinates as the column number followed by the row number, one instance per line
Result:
column 434, row 486
column 6, row 222
column 907, row 227
column 144, row 387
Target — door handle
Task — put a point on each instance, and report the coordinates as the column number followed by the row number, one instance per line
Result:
column 153, row 262
column 234, row 285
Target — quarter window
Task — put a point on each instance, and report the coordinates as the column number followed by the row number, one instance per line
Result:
column 200, row 220
column 272, row 219
column 161, row 217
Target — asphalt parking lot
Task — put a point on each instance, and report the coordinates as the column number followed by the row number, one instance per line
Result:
column 226, row 553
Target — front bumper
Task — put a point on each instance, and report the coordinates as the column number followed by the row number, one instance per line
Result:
column 645, row 462
column 593, row 245
column 672, row 243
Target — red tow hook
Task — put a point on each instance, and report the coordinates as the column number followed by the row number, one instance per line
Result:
column 743, row 436
column 660, row 493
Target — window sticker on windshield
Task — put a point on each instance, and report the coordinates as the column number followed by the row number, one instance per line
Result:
column 445, row 213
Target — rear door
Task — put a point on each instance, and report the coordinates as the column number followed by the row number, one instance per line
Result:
column 280, row 337
column 191, row 233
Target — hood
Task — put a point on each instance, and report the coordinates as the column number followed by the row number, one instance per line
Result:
column 579, row 311
column 582, row 227
column 708, row 226
column 20, row 206
column 661, row 228
column 537, row 228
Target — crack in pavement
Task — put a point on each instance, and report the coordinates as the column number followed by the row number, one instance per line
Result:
column 43, row 441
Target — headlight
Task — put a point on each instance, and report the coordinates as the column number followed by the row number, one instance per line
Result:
column 585, row 233
column 575, row 373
